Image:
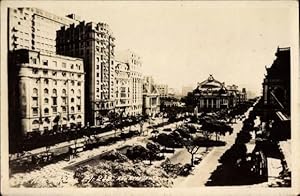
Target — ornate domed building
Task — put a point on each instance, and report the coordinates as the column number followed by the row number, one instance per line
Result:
column 212, row 94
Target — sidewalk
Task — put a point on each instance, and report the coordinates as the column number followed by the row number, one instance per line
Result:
column 80, row 140
column 71, row 142
column 203, row 171
column 56, row 173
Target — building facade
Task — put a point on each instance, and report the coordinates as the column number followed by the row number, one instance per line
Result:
column 94, row 42
column 129, row 81
column 277, row 96
column 163, row 90
column 49, row 89
column 123, row 89
column 213, row 95
column 34, row 29
column 151, row 97
column 235, row 95
column 276, row 85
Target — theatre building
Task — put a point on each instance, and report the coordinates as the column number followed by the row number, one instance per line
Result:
column 46, row 92
column 212, row 94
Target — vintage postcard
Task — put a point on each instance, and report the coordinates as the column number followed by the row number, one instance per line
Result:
column 149, row 97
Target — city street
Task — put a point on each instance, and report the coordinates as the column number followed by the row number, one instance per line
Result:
column 55, row 172
column 210, row 162
column 137, row 95
column 202, row 172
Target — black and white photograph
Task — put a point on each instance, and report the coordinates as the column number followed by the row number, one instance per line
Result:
column 149, row 97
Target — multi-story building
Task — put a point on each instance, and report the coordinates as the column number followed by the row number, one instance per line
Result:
column 163, row 90
column 213, row 95
column 34, row 29
column 131, row 62
column 277, row 96
column 276, row 85
column 123, row 88
column 233, row 94
column 236, row 96
column 46, row 92
column 243, row 95
column 94, row 42
column 151, row 100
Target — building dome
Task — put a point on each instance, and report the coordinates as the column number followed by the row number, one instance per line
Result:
column 210, row 84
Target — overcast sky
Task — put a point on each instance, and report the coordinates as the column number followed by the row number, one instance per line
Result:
column 181, row 43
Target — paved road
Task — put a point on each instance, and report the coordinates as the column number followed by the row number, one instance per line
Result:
column 55, row 172
column 80, row 140
column 203, row 171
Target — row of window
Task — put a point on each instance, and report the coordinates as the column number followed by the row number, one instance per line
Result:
column 54, row 73
column 54, row 101
column 54, row 63
column 46, row 82
column 54, row 110
column 54, row 92
column 47, row 120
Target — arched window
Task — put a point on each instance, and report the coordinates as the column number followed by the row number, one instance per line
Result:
column 35, row 125
column 46, row 91
column 64, row 92
column 46, row 111
column 72, row 109
column 54, row 91
column 46, row 81
column 35, row 122
column 79, row 117
column 46, row 100
column 35, row 92
column 72, row 91
column 72, row 100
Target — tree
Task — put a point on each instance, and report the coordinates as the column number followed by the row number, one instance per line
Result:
column 210, row 127
column 184, row 132
column 207, row 129
column 166, row 140
column 153, row 150
column 192, row 146
column 114, row 121
column 137, row 152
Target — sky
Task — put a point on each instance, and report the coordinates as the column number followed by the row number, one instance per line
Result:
column 181, row 43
